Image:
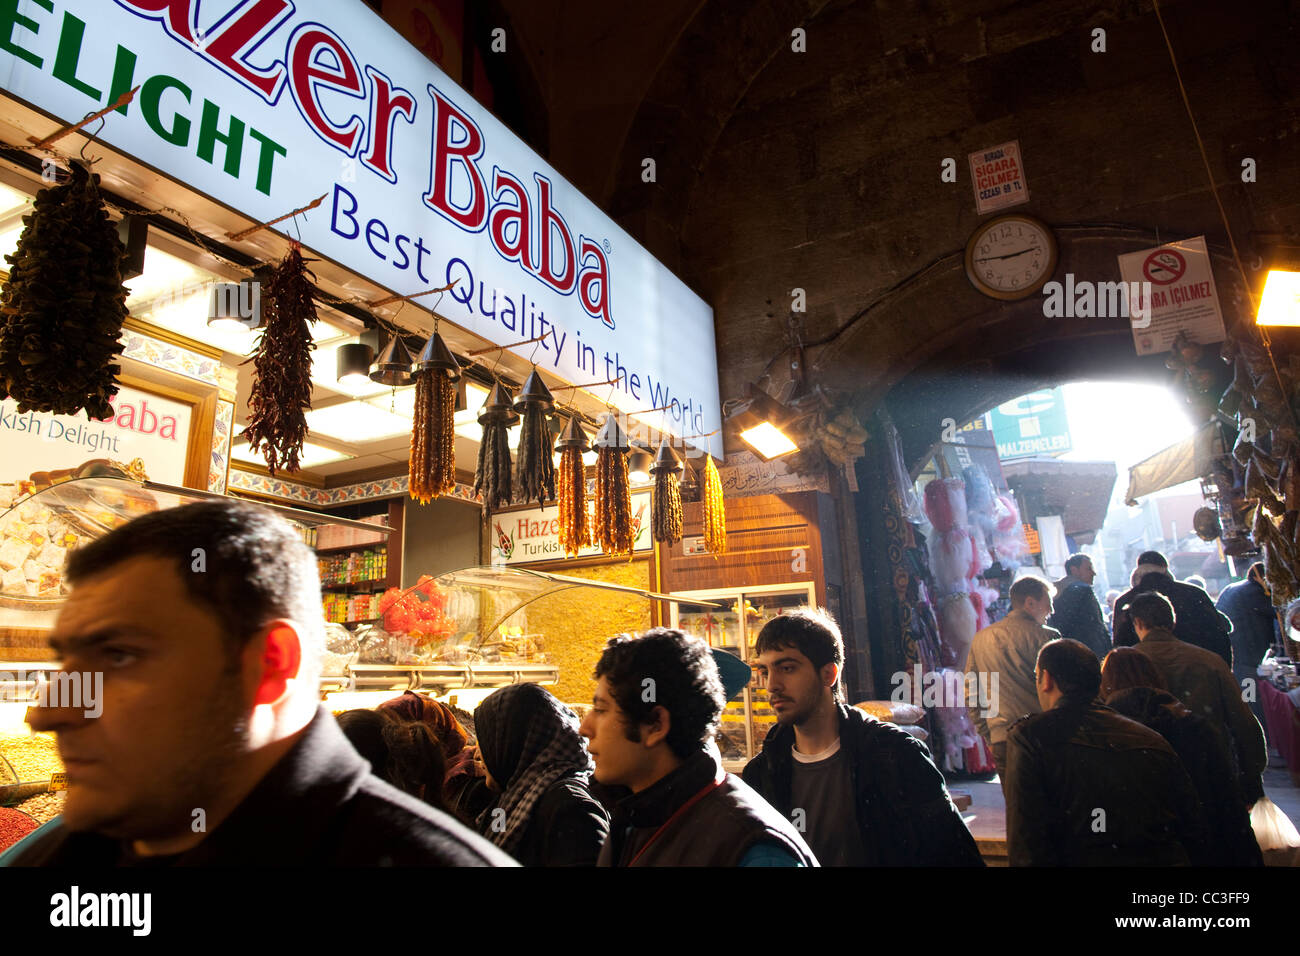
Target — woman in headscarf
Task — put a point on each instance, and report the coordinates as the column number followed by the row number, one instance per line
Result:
column 464, row 791
column 538, row 766
column 1131, row 684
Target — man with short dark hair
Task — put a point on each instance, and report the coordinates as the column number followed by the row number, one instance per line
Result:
column 1204, row 684
column 1249, row 605
column 1199, row 622
column 864, row 792
column 1087, row 787
column 1077, row 614
column 212, row 747
column 1007, row 651
column 654, row 714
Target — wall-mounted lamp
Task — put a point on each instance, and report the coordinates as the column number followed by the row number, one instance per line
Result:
column 1280, row 303
column 762, row 422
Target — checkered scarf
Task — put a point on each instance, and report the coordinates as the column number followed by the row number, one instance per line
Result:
column 528, row 740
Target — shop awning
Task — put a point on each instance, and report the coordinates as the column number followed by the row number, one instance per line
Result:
column 1184, row 461
column 1078, row 491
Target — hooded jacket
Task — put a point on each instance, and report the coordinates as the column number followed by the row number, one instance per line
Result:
column 1087, row 787
column 1208, row 761
column 904, row 813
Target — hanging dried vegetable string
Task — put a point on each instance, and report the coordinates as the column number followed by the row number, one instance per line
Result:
column 64, row 303
column 433, row 435
column 281, row 396
column 534, row 468
column 715, row 515
column 613, row 491
column 668, row 496
column 575, row 533
column 492, row 474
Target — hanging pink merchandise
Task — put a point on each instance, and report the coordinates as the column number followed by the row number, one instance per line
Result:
column 945, row 503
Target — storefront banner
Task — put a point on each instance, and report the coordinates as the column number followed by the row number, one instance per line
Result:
column 521, row 537
column 264, row 105
column 1178, row 278
column 1033, row 424
column 145, row 426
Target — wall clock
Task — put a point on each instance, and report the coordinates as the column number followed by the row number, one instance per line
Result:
column 1011, row 256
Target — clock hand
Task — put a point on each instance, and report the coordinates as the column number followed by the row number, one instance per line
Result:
column 1010, row 255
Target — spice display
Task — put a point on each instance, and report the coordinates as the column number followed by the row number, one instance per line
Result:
column 492, row 477
column 64, row 303
column 715, row 515
column 32, row 756
column 433, row 437
column 613, row 532
column 43, row 807
column 668, row 495
column 575, row 533
column 281, row 396
column 534, row 468
column 14, row 825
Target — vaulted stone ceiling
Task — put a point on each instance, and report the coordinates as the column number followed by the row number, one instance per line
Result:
column 820, row 170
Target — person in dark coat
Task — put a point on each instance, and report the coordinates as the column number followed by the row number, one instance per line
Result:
column 1131, row 685
column 538, row 766
column 1076, row 610
column 1087, row 787
column 1199, row 622
column 869, row 794
column 1249, row 605
column 401, row 752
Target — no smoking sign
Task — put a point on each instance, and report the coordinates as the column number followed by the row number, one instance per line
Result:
column 1164, row 266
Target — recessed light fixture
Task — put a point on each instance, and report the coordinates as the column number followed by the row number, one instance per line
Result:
column 1280, row 303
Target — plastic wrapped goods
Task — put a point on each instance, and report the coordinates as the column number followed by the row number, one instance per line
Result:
column 945, row 503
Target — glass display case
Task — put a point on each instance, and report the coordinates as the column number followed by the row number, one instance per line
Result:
column 734, row 628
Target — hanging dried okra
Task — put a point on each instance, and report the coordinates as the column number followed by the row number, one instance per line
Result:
column 535, row 468
column 492, row 475
column 668, row 495
column 715, row 515
column 281, row 396
column 64, row 303
column 433, row 435
column 613, row 530
column 575, row 534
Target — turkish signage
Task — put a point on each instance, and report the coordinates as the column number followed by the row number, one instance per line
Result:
column 1179, row 283
column 145, row 426
column 264, row 105
column 521, row 537
column 998, row 177
column 1033, row 424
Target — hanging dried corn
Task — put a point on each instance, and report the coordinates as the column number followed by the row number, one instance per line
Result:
column 64, row 303
column 534, row 468
column 613, row 490
column 492, row 475
column 433, row 436
column 668, row 495
column 575, row 533
column 281, row 396
column 715, row 515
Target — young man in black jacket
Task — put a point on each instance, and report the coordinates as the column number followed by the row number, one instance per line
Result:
column 862, row 792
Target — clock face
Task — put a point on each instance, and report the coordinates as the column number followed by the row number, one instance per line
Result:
column 1011, row 257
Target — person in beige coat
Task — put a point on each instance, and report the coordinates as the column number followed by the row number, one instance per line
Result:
column 1007, row 651
column 1205, row 685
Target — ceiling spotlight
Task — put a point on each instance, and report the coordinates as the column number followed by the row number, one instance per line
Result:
column 353, row 361
column 638, row 466
column 762, row 421
column 1280, row 303
column 394, row 367
column 235, row 306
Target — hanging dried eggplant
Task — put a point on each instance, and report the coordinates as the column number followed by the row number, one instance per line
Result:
column 534, row 468
column 668, row 495
column 281, row 396
column 433, row 435
column 575, row 534
column 63, row 304
column 715, row 514
column 492, row 478
column 613, row 490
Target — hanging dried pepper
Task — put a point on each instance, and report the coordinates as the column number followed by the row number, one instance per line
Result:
column 281, row 396
column 64, row 303
column 433, row 436
column 668, row 496
column 715, row 515
column 492, row 474
column 613, row 492
column 534, row 468
column 575, row 533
